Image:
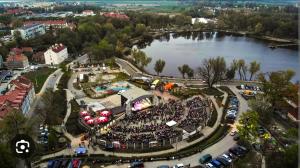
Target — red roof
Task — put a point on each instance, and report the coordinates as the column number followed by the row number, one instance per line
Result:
column 58, row 48
column 16, row 50
column 15, row 11
column 15, row 97
column 116, row 15
column 27, row 49
column 17, row 57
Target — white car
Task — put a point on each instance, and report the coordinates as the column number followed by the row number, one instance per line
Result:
column 227, row 158
column 179, row 165
column 209, row 165
column 121, row 91
column 232, row 133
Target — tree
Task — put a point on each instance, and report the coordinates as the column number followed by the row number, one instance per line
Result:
column 190, row 73
column 276, row 85
column 240, row 64
column 212, row 70
column 140, row 29
column 230, row 73
column 261, row 104
column 258, row 28
column 145, row 60
column 254, row 68
column 183, row 70
column 18, row 38
column 248, row 126
column 159, row 66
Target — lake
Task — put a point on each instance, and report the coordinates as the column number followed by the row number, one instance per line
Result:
column 192, row 48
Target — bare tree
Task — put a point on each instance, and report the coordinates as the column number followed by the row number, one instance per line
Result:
column 212, row 70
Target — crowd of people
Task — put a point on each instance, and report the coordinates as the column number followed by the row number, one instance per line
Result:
column 197, row 113
column 150, row 124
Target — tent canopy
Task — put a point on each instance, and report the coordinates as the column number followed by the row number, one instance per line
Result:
column 171, row 123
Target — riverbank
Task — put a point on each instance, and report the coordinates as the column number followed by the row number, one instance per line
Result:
column 275, row 42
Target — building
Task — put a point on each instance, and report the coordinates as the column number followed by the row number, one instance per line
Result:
column 56, row 54
column 55, row 24
column 30, row 31
column 20, row 96
column 88, row 13
column 116, row 16
column 17, row 60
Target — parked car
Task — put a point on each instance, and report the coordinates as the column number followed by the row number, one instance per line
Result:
column 136, row 164
column 163, row 166
column 233, row 132
column 209, row 165
column 223, row 161
column 179, row 165
column 236, row 137
column 227, row 157
column 216, row 163
column 243, row 149
column 205, row 158
column 235, row 151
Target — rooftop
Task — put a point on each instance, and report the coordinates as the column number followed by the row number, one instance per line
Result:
column 46, row 22
column 16, row 57
column 134, row 93
column 57, row 48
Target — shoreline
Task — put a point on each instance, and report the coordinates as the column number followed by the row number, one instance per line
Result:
column 275, row 42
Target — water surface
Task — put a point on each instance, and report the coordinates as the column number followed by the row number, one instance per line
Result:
column 191, row 49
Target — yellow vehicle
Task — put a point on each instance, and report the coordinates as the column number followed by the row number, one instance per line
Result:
column 154, row 84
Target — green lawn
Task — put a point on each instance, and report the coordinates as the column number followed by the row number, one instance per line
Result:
column 39, row 77
column 212, row 92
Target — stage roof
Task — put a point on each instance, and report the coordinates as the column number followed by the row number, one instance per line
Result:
column 134, row 93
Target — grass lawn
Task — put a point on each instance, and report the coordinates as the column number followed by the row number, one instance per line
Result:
column 39, row 77
column 212, row 92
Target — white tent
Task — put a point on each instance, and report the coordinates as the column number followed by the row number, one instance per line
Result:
column 171, row 123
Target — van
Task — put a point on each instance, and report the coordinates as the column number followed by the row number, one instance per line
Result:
column 154, row 84
column 206, row 158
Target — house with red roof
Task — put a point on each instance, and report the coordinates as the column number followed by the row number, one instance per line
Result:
column 16, row 60
column 88, row 13
column 20, row 96
column 56, row 54
column 116, row 15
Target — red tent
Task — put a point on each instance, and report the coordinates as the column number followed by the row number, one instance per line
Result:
column 84, row 113
column 102, row 120
column 105, row 113
column 91, row 121
column 87, row 118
